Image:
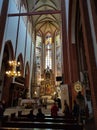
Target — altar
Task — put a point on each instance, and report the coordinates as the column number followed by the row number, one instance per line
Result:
column 47, row 87
column 28, row 103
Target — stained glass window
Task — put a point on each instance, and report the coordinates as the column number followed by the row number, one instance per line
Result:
column 48, row 51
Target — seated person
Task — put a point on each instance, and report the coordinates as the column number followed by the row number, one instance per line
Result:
column 40, row 114
column 31, row 115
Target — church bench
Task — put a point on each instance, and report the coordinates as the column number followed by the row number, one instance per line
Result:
column 37, row 124
column 9, row 128
column 46, row 119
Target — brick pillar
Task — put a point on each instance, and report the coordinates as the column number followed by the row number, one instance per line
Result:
column 65, row 46
column 73, row 58
column 74, row 68
column 89, row 50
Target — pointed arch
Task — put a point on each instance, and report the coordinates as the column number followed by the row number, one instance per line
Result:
column 8, row 54
column 27, row 75
column 9, row 49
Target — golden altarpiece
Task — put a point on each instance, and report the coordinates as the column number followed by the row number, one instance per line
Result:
column 48, row 83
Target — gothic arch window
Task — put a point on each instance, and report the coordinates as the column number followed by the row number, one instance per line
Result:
column 38, row 57
column 58, row 52
column 48, row 51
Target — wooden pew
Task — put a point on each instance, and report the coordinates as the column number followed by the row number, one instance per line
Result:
column 37, row 124
column 46, row 119
column 47, row 122
column 3, row 119
column 60, row 122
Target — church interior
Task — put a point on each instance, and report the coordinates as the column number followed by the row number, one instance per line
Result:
column 48, row 53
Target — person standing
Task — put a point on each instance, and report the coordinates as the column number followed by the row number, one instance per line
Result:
column 58, row 100
column 81, row 101
column 66, row 109
column 40, row 114
column 54, row 110
column 1, row 109
column 75, row 110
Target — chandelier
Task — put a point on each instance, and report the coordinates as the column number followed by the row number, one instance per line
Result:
column 14, row 70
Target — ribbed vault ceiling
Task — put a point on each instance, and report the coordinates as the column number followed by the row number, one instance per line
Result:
column 45, row 22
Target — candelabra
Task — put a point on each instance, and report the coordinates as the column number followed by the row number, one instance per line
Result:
column 14, row 70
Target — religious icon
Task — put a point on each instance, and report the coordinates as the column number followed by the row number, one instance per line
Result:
column 47, row 89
